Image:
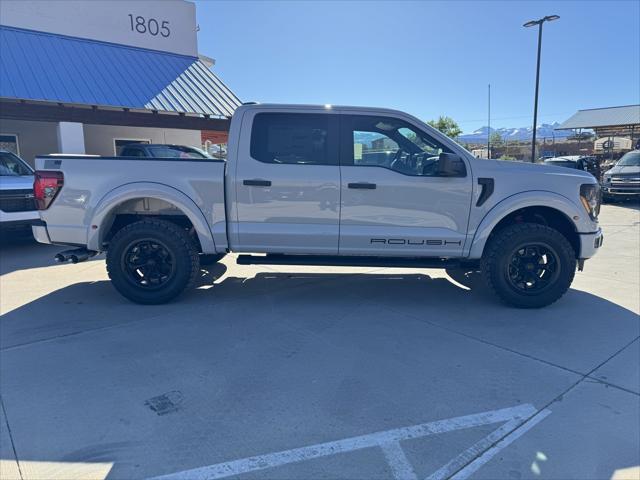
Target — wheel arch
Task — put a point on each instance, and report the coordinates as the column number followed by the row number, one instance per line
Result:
column 543, row 207
column 111, row 205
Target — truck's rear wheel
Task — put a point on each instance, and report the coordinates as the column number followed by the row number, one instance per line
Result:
column 529, row 265
column 152, row 261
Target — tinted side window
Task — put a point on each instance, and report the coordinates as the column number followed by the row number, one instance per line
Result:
column 293, row 138
column 122, row 143
column 11, row 165
column 132, row 152
column 174, row 151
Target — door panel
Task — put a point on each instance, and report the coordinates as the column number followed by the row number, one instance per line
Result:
column 392, row 200
column 288, row 201
column 403, row 215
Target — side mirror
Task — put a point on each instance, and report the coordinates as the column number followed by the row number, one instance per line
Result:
column 450, row 165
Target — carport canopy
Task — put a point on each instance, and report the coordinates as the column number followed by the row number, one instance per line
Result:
column 49, row 77
column 612, row 121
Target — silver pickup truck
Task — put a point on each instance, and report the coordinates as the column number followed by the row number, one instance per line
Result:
column 323, row 185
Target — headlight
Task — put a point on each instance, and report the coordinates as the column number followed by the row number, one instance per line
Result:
column 590, row 199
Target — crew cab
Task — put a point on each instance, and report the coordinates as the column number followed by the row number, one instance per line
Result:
column 323, row 185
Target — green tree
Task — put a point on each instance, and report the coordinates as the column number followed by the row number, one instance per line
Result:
column 496, row 139
column 446, row 125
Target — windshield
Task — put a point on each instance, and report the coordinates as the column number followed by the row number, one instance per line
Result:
column 630, row 159
column 562, row 163
column 177, row 151
column 12, row 166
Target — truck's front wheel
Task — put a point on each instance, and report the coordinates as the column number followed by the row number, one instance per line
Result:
column 152, row 261
column 529, row 265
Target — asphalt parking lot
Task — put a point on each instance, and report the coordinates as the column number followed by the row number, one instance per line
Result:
column 291, row 372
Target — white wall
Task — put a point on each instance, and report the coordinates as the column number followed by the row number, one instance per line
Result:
column 34, row 138
column 99, row 139
column 110, row 21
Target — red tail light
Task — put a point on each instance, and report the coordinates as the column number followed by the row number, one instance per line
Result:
column 46, row 186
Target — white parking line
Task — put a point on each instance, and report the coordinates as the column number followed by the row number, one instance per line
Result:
column 398, row 461
column 389, row 442
column 506, row 441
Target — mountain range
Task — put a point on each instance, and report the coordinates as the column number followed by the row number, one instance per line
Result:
column 545, row 130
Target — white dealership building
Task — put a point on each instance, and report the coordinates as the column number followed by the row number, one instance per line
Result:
column 92, row 76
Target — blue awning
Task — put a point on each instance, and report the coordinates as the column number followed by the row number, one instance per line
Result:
column 54, row 68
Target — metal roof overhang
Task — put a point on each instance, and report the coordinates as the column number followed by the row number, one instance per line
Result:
column 93, row 115
column 600, row 118
column 70, row 79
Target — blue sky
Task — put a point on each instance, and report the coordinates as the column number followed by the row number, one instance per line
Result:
column 428, row 58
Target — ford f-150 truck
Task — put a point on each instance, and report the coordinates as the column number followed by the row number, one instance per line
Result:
column 323, row 185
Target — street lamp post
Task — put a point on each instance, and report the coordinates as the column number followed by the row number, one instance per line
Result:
column 531, row 23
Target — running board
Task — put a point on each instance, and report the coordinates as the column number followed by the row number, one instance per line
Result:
column 346, row 261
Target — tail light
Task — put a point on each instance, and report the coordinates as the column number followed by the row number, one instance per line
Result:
column 46, row 186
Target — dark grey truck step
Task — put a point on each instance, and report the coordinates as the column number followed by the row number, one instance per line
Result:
column 346, row 261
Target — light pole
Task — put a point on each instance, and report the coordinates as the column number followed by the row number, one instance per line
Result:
column 489, row 125
column 531, row 23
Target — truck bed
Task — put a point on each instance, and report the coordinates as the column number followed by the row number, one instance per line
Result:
column 90, row 183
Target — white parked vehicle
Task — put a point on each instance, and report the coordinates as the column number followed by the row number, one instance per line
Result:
column 325, row 185
column 17, row 204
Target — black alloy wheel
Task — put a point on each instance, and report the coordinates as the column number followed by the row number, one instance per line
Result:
column 532, row 268
column 148, row 263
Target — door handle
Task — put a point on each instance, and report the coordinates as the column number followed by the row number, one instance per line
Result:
column 362, row 185
column 257, row 183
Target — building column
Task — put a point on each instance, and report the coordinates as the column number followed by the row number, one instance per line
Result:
column 71, row 137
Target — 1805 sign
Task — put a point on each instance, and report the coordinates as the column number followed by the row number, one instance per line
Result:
column 151, row 26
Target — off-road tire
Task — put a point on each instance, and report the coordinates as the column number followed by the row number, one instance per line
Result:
column 176, row 240
column 497, row 253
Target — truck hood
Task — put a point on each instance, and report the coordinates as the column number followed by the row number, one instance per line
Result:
column 623, row 170
column 11, row 182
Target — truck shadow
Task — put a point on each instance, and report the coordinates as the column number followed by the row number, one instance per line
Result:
column 461, row 300
column 24, row 253
column 280, row 312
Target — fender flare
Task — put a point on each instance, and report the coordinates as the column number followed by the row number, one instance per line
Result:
column 534, row 198
column 101, row 214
